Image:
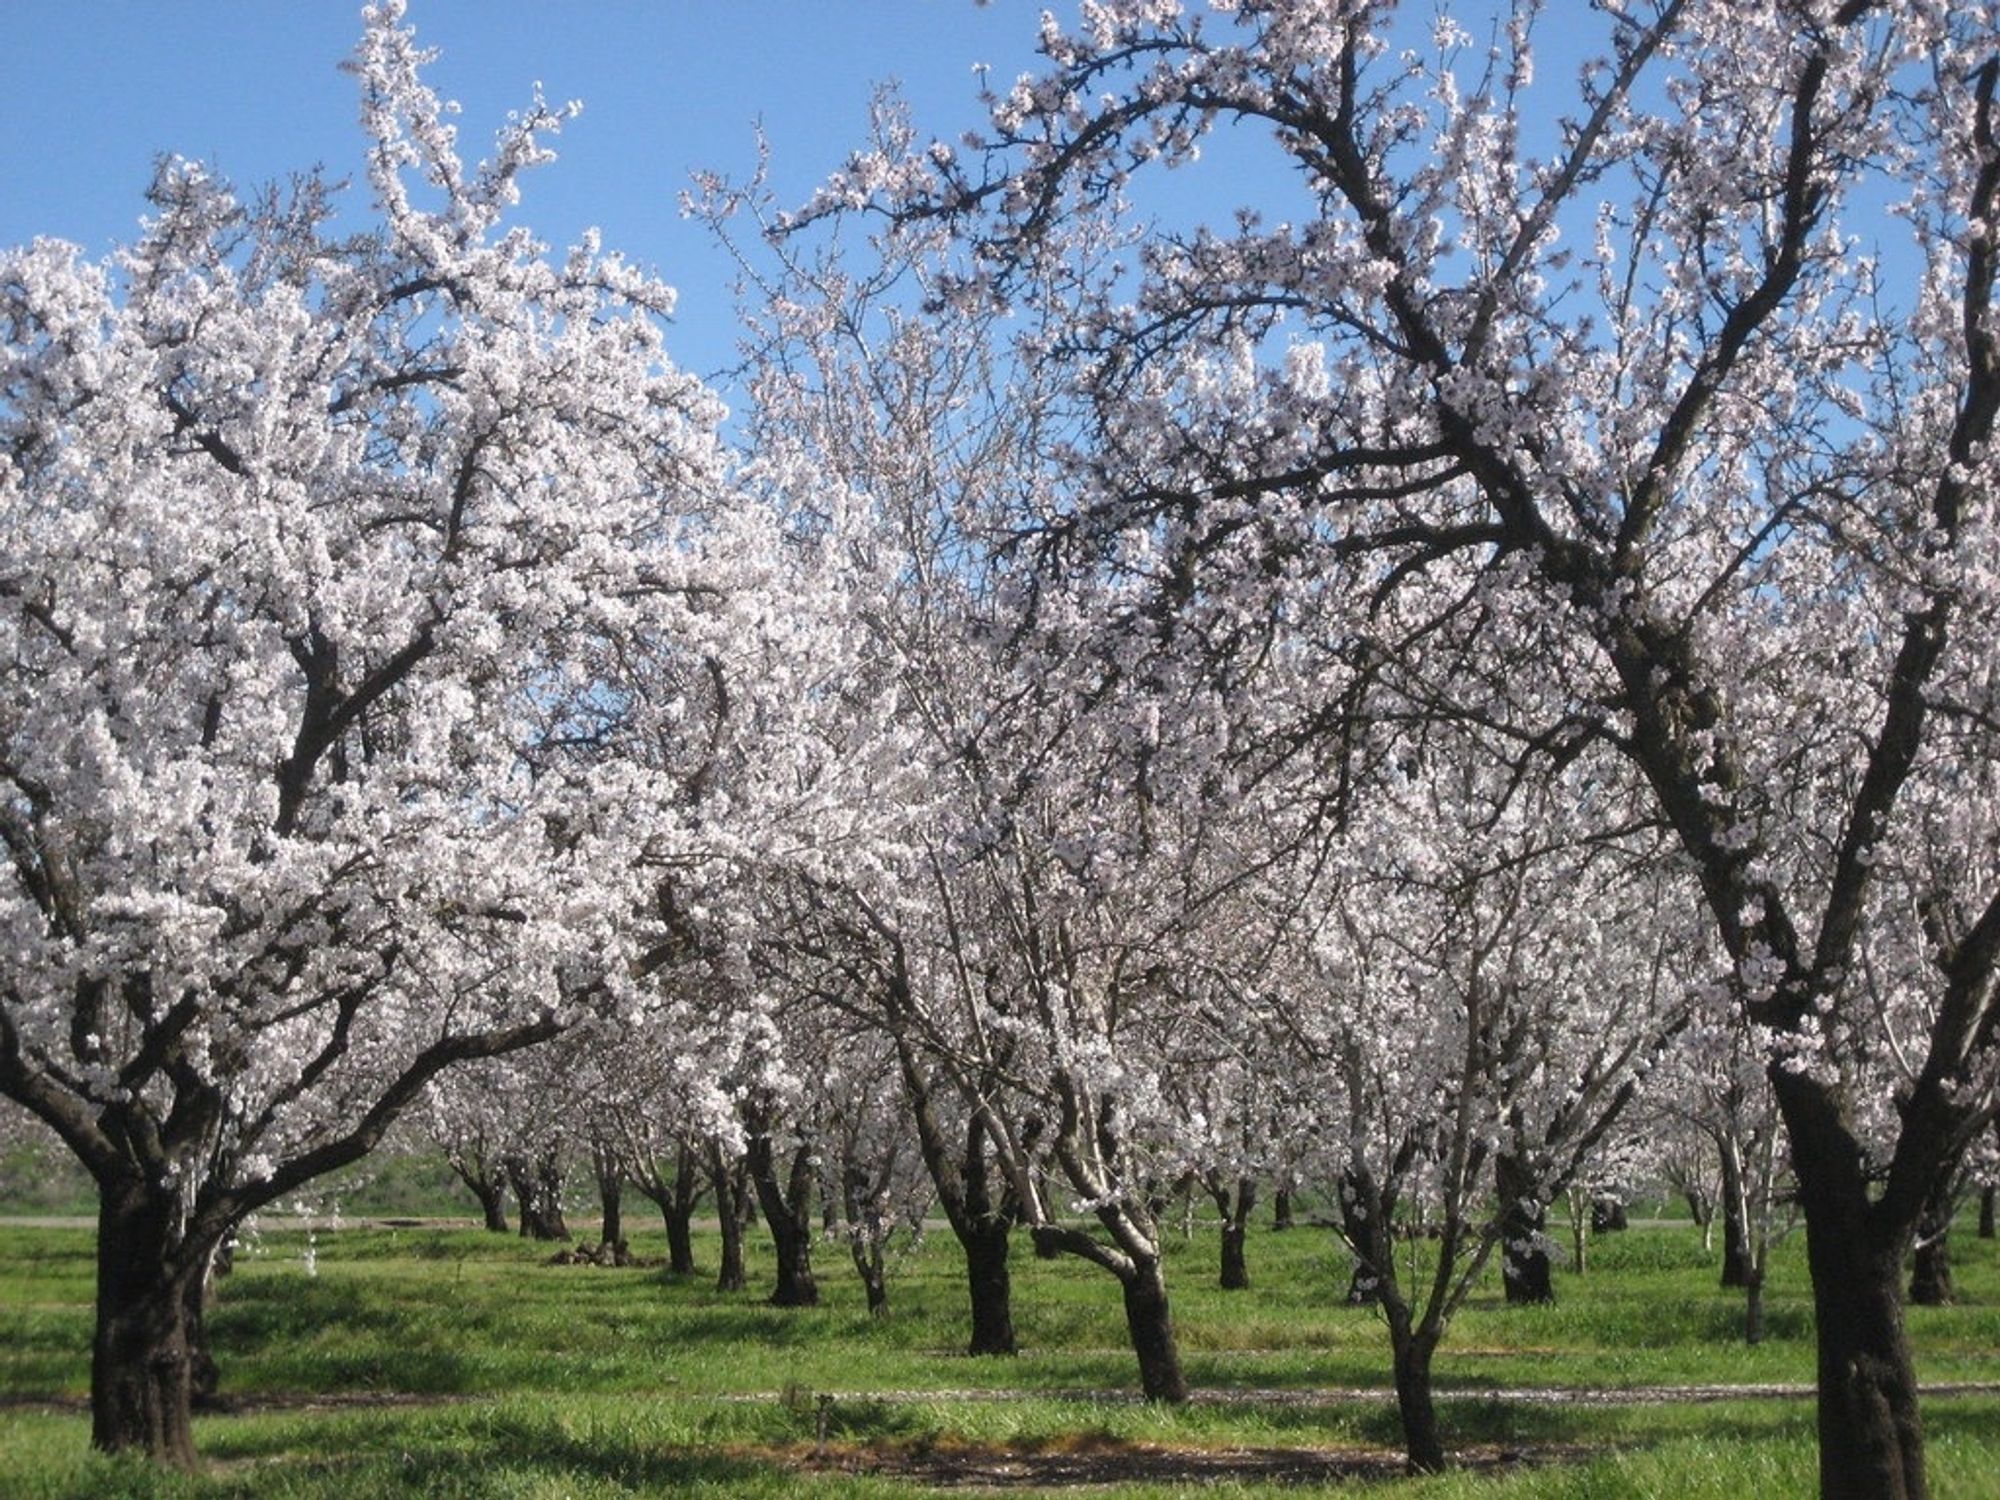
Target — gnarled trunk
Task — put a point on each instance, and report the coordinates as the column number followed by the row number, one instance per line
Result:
column 143, row 1364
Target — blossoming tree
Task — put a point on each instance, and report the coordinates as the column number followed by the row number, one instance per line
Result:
column 1691, row 351
column 324, row 548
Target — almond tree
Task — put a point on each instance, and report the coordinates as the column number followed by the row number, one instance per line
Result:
column 1689, row 351
column 324, row 549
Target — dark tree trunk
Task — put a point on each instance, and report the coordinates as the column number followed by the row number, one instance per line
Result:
column 1235, row 1209
column 1151, row 1324
column 991, row 1286
column 1524, row 1247
column 1607, row 1216
column 867, row 1236
column 677, row 1209
column 492, row 1198
column 730, row 1191
column 142, row 1365
column 1986, row 1197
column 1871, row 1435
column 204, row 1378
column 488, row 1186
column 1753, row 1306
column 787, row 1208
column 1735, row 1212
column 1281, row 1210
column 1422, row 1442
column 1930, row 1264
column 538, row 1194
column 960, row 1173
column 610, row 1193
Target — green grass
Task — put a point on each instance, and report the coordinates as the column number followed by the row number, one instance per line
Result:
column 531, row 1380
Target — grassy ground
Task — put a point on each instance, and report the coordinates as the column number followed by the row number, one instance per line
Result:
column 451, row 1363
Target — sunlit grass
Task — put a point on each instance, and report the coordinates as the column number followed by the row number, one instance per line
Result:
column 481, row 1371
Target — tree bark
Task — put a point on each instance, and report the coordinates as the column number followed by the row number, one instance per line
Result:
column 727, row 1178
column 1422, row 1442
column 1986, row 1197
column 1524, row 1249
column 1753, row 1306
column 1235, row 1209
column 1735, row 1214
column 787, row 1211
column 538, row 1192
column 677, row 1209
column 1281, row 1210
column 488, row 1187
column 610, row 1176
column 492, row 1198
column 1930, row 1264
column 142, row 1365
column 1871, row 1436
column 1151, row 1324
column 981, row 1219
column 990, row 1286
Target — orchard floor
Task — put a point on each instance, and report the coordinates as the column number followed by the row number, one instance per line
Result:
column 442, row 1361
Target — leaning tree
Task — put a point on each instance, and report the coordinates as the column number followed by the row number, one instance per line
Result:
column 325, row 545
column 1687, row 348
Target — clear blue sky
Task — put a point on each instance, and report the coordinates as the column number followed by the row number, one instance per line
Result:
column 96, row 89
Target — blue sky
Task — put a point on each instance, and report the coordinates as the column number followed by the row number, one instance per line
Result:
column 96, row 89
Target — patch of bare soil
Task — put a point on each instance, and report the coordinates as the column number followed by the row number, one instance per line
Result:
column 1104, row 1461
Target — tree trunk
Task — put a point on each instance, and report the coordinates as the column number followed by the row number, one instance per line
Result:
column 1235, row 1210
column 990, row 1284
column 1151, row 1324
column 1871, row 1439
column 1986, row 1196
column 1871, row 1435
column 488, row 1186
column 727, row 1178
column 677, row 1209
column 492, row 1198
column 538, row 1193
column 142, row 1382
column 1524, row 1249
column 1753, row 1305
column 1581, row 1220
column 1735, row 1213
column 1281, row 1210
column 610, row 1192
column 1421, row 1440
column 869, row 1265
column 787, row 1211
column 1930, row 1268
